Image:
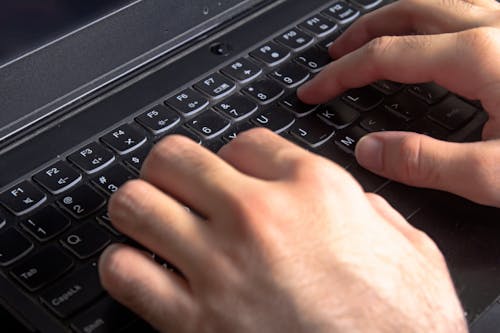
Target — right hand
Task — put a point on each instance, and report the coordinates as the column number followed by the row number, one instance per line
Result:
column 453, row 43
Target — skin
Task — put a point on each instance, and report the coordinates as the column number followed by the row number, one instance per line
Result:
column 280, row 240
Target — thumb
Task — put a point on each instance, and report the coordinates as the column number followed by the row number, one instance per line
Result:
column 471, row 170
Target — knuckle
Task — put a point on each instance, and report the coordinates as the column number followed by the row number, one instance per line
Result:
column 414, row 168
column 378, row 47
column 477, row 41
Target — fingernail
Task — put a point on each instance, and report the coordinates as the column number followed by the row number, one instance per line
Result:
column 369, row 152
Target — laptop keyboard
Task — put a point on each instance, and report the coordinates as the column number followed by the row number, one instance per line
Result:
column 60, row 224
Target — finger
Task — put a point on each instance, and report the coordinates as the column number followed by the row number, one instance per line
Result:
column 261, row 154
column 154, row 293
column 191, row 174
column 158, row 222
column 467, row 169
column 416, row 59
column 410, row 17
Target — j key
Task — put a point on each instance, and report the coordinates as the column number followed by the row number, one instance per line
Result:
column 235, row 131
column 112, row 178
column 406, row 107
column 86, row 240
column 209, row 124
column 291, row 75
column 73, row 292
column 367, row 4
column 22, row 198
column 13, row 246
column 295, row 39
column 42, row 267
column 92, row 158
column 311, row 131
column 124, row 139
column 188, row 102
column 82, row 201
column 431, row 93
column 319, row 25
column 242, row 70
column 237, row 107
column 381, row 121
column 452, row 113
column 363, row 99
column 105, row 221
column 349, row 137
column 314, row 59
column 46, row 223
column 103, row 317
column 276, row 119
column 388, row 87
column 137, row 157
column 215, row 86
column 158, row 119
column 58, row 178
column 264, row 91
column 271, row 54
column 341, row 12
column 328, row 41
column 338, row 114
column 293, row 104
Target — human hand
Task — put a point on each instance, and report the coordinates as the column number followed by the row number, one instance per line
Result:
column 283, row 241
column 453, row 43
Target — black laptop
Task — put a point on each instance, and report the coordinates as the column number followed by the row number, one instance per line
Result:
column 88, row 87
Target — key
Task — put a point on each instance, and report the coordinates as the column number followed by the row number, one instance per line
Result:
column 188, row 102
column 86, row 240
column 113, row 178
column 215, row 86
column 3, row 220
column 137, row 157
column 290, row 75
column 209, row 124
column 264, row 91
column 367, row 4
column 103, row 317
column 314, row 59
column 124, row 139
column 92, row 158
column 46, row 224
column 183, row 131
column 235, row 131
column 338, row 114
column 82, row 201
column 349, row 137
column 430, row 93
column 74, row 291
column 381, row 121
column 429, row 128
column 13, row 246
column 319, row 25
column 271, row 54
column 276, row 119
column 242, row 70
column 58, row 178
column 214, row 145
column 41, row 268
column 388, row 87
column 328, row 41
column 105, row 221
column 363, row 99
column 22, row 198
column 237, row 107
column 293, row 104
column 158, row 119
column 295, row 39
column 452, row 113
column 405, row 106
column 311, row 131
column 341, row 12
